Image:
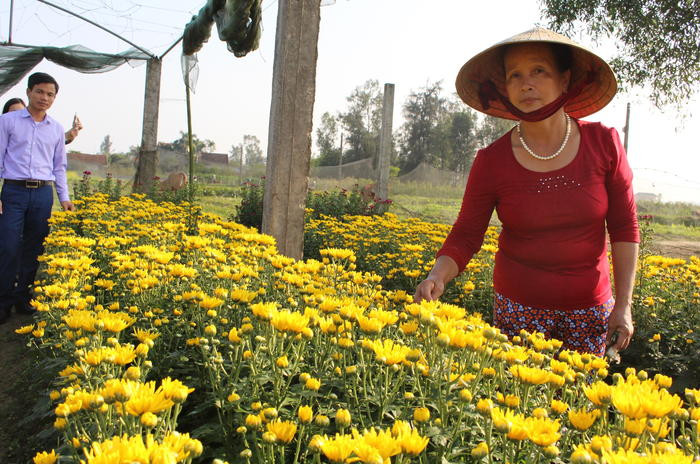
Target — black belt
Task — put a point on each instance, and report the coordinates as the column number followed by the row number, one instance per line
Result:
column 29, row 183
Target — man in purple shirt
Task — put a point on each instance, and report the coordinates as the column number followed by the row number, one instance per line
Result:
column 32, row 159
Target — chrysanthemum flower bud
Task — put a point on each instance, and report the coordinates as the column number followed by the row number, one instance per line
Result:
column 133, row 373
column 481, row 450
column 148, row 419
column 342, row 418
column 551, row 451
column 421, row 414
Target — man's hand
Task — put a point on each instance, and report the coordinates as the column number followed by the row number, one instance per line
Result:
column 620, row 321
column 0, row 207
column 430, row 289
column 67, row 206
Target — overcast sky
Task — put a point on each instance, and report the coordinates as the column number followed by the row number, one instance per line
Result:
column 405, row 42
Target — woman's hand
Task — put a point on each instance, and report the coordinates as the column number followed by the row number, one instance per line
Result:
column 430, row 289
column 620, row 321
column 624, row 261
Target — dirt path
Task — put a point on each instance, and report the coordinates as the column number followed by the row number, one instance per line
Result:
column 675, row 247
column 12, row 350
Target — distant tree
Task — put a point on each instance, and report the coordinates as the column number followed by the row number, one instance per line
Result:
column 362, row 122
column 182, row 144
column 490, row 129
column 327, row 141
column 236, row 155
column 252, row 151
column 248, row 153
column 461, row 126
column 106, row 146
column 421, row 138
column 658, row 40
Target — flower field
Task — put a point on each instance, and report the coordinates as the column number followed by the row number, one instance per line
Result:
column 190, row 341
column 666, row 300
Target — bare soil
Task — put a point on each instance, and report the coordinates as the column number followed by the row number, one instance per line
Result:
column 15, row 400
column 675, row 246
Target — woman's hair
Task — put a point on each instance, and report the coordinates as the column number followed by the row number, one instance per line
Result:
column 10, row 102
column 563, row 57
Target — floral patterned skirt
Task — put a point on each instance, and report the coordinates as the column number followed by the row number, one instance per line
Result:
column 583, row 330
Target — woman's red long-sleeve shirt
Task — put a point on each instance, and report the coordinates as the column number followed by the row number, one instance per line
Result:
column 552, row 247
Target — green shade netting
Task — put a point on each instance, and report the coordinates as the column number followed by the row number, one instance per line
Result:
column 237, row 22
column 17, row 60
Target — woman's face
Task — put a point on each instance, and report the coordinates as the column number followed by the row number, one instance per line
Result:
column 15, row 107
column 533, row 79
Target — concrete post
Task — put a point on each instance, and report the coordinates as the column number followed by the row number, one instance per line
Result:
column 148, row 154
column 385, row 143
column 340, row 157
column 291, row 111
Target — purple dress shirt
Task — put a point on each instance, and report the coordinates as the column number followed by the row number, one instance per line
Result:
column 33, row 150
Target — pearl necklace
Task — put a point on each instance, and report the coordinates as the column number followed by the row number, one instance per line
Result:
column 556, row 153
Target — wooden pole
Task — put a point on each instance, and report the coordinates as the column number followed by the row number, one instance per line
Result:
column 291, row 112
column 148, row 154
column 385, row 143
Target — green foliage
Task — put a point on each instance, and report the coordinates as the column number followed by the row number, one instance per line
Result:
column 326, row 140
column 106, row 146
column 362, row 122
column 490, row 129
column 249, row 211
column 666, row 316
column 86, row 187
column 335, row 204
column 345, row 203
column 252, row 151
column 443, row 132
column 114, row 189
column 657, row 40
column 181, row 144
column 679, row 213
column 420, row 137
column 185, row 194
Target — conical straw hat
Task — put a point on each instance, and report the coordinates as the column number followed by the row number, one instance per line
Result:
column 488, row 65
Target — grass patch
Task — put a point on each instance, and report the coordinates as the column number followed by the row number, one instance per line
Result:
column 443, row 211
column 223, row 206
column 678, row 230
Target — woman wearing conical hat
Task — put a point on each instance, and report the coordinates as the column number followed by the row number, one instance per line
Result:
column 558, row 184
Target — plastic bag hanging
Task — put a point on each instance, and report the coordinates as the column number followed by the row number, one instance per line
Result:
column 190, row 70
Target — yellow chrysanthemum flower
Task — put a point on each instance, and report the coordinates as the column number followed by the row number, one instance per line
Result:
column 283, row 430
column 45, row 458
column 583, row 419
column 338, row 448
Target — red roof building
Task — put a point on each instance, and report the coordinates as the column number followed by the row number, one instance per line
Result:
column 97, row 160
column 215, row 158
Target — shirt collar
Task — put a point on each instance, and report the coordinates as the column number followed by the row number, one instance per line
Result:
column 26, row 114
